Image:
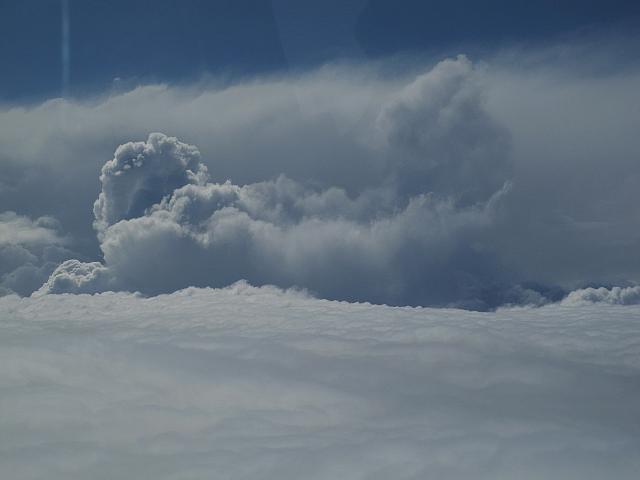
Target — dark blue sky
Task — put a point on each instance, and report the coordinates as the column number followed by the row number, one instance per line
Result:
column 140, row 41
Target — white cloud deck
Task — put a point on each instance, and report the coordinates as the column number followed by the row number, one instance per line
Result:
column 259, row 383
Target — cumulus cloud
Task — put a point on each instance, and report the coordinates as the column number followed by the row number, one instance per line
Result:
column 609, row 296
column 362, row 146
column 141, row 174
column 265, row 234
column 163, row 226
column 260, row 383
column 446, row 140
column 29, row 251
column 372, row 247
column 74, row 276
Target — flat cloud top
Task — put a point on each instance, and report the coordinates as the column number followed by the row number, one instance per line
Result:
column 250, row 382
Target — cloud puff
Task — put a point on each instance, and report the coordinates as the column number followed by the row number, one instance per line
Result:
column 19, row 230
column 446, row 140
column 74, row 276
column 260, row 383
column 141, row 174
column 29, row 251
column 610, row 296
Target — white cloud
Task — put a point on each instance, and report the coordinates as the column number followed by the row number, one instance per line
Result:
column 374, row 247
column 279, row 233
column 447, row 142
column 610, row 296
column 19, row 230
column 74, row 276
column 162, row 226
column 260, row 383
column 29, row 251
column 143, row 173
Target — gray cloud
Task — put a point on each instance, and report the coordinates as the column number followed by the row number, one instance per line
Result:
column 29, row 251
column 610, row 296
column 372, row 247
column 163, row 227
column 74, row 276
column 278, row 233
column 357, row 146
column 141, row 174
column 442, row 138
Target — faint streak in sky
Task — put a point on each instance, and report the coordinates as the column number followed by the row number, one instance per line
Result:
column 65, row 48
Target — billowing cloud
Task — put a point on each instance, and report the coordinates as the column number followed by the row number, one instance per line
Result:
column 442, row 137
column 517, row 179
column 610, row 296
column 264, row 234
column 29, row 251
column 163, row 225
column 74, row 276
column 141, row 174
column 373, row 247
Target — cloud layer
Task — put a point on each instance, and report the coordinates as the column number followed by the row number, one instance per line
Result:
column 259, row 383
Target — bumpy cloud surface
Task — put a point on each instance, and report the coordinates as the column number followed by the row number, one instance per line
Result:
column 29, row 251
column 260, row 383
column 612, row 296
column 141, row 174
column 446, row 140
column 516, row 180
column 375, row 246
column 164, row 226
column 74, row 276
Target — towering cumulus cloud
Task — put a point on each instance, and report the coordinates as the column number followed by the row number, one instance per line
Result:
column 141, row 174
column 406, row 194
column 442, row 137
column 417, row 239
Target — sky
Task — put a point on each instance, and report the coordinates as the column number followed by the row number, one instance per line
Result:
column 142, row 41
column 355, row 239
column 424, row 154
